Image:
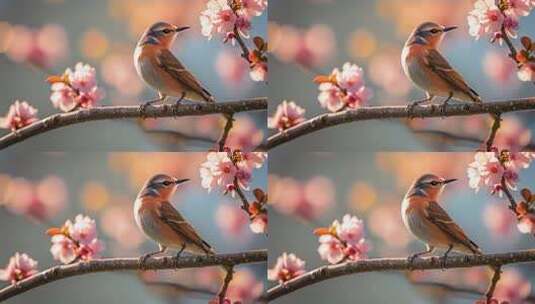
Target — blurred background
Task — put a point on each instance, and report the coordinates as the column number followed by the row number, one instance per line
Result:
column 311, row 190
column 311, row 37
column 43, row 37
column 43, row 190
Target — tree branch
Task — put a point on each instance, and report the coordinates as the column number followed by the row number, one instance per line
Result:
column 226, row 282
column 388, row 112
column 120, row 264
column 57, row 121
column 493, row 282
column 493, row 131
column 226, row 131
column 390, row 264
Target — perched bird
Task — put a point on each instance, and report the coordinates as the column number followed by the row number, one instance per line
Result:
column 161, row 222
column 161, row 70
column 429, row 70
column 427, row 221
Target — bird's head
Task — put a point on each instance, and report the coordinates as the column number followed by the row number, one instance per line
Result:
column 161, row 186
column 429, row 34
column 161, row 34
column 429, row 186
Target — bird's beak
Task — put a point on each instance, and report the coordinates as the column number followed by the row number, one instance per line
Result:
column 181, row 181
column 450, row 28
column 180, row 29
column 450, row 181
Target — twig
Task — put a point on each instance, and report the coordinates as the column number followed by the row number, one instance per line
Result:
column 493, row 131
column 245, row 202
column 226, row 131
column 493, row 282
column 391, row 264
column 507, row 40
column 120, row 264
column 505, row 189
column 120, row 112
column 243, row 46
column 228, row 278
column 389, row 112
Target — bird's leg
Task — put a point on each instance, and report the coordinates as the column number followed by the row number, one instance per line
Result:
column 445, row 104
column 143, row 107
column 411, row 107
column 144, row 257
column 445, row 257
column 412, row 257
column 181, row 98
column 181, row 250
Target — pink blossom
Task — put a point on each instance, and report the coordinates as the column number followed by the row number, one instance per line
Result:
column 20, row 267
column 288, row 114
column 499, row 220
column 245, row 135
column 513, row 135
column 526, row 224
column 259, row 223
column 500, row 69
column 231, row 68
column 259, row 71
column 76, row 240
column 231, row 220
column 518, row 8
column 245, row 287
column 512, row 287
column 519, row 160
column 77, row 89
column 288, row 266
column 527, row 72
column 351, row 230
column 253, row 8
column 218, row 171
column 487, row 170
column 331, row 249
column 20, row 114
column 358, row 251
column 485, row 18
column 349, row 90
column 252, row 160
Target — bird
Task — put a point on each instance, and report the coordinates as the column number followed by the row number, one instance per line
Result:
column 425, row 219
column 161, row 70
column 161, row 222
column 427, row 69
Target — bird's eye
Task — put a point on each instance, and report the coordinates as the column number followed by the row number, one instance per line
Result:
column 167, row 183
column 167, row 31
column 434, row 31
column 434, row 183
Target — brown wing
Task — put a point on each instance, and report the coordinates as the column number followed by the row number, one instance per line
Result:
column 175, row 68
column 442, row 68
column 443, row 221
column 175, row 220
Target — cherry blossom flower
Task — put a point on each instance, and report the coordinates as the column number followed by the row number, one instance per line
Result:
column 513, row 135
column 512, row 287
column 343, row 89
column 518, row 8
column 288, row 114
column 231, row 220
column 259, row 71
column 500, row 69
column 230, row 68
column 343, row 241
column 245, row 135
column 75, row 89
column 76, row 240
column 527, row 72
column 499, row 220
column 20, row 267
column 288, row 266
column 526, row 224
column 244, row 287
column 20, row 114
column 485, row 18
column 487, row 170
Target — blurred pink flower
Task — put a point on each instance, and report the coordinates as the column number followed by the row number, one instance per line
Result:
column 499, row 220
column 288, row 114
column 498, row 68
column 245, row 135
column 20, row 114
column 259, row 223
column 245, row 287
column 513, row 135
column 308, row 200
column 76, row 240
column 348, row 91
column 259, row 71
column 252, row 160
column 527, row 72
column 40, row 201
column 20, row 267
column 231, row 220
column 42, row 47
column 288, row 266
column 120, row 225
column 331, row 249
column 76, row 89
column 231, row 68
column 512, row 287
column 118, row 71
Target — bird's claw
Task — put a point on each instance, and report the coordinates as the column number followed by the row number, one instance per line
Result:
column 142, row 260
column 410, row 260
column 443, row 262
